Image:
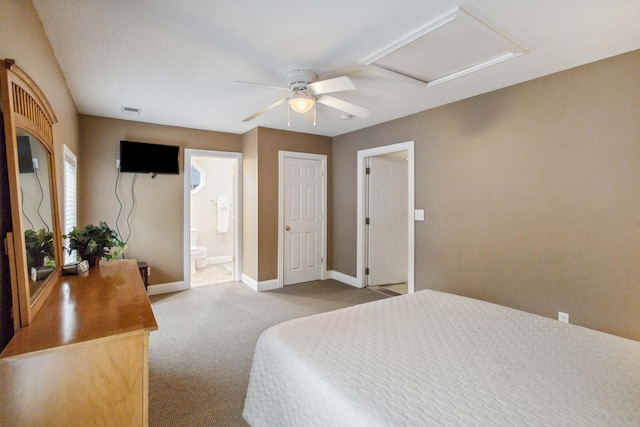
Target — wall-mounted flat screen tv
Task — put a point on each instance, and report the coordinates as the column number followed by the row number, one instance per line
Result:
column 143, row 157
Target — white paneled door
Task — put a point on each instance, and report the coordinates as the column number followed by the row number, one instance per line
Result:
column 303, row 220
column 388, row 226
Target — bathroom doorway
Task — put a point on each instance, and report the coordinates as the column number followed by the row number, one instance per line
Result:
column 212, row 217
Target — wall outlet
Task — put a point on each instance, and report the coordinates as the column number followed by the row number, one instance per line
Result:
column 563, row 317
column 419, row 215
column 118, row 164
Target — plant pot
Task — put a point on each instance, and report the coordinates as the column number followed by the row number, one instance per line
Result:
column 93, row 260
column 37, row 260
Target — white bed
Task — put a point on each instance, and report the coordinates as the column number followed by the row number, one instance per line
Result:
column 436, row 359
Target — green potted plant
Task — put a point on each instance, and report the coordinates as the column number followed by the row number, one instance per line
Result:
column 39, row 247
column 93, row 242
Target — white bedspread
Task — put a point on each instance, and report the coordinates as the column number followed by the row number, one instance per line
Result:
column 436, row 359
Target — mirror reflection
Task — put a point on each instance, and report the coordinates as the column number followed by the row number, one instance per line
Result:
column 33, row 159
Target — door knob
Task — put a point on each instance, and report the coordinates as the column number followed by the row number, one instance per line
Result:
column 287, row 228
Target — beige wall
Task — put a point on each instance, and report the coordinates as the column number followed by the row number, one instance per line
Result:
column 531, row 192
column 22, row 38
column 272, row 141
column 250, row 203
column 157, row 219
column 260, row 152
column 531, row 195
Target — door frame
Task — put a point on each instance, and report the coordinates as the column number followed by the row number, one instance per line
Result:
column 281, row 193
column 361, row 209
column 237, row 210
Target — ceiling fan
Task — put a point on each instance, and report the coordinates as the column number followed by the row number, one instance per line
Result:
column 305, row 92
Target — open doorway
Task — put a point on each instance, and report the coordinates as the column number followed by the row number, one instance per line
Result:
column 212, row 220
column 386, row 246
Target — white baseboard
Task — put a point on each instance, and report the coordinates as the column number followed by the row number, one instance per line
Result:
column 265, row 285
column 219, row 259
column 250, row 282
column 165, row 288
column 344, row 278
column 268, row 285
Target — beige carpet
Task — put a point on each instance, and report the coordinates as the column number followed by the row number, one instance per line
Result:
column 200, row 358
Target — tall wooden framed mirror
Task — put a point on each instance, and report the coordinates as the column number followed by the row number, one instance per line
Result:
column 35, row 246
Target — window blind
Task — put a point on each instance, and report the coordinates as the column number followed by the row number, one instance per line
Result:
column 70, row 197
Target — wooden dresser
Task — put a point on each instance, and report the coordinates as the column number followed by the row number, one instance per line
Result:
column 84, row 359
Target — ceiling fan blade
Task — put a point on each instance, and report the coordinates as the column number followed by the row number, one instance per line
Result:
column 345, row 106
column 338, row 84
column 263, row 85
column 264, row 110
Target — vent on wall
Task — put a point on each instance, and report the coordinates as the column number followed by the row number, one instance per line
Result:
column 450, row 46
column 130, row 111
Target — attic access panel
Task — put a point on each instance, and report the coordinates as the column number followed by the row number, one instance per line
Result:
column 451, row 46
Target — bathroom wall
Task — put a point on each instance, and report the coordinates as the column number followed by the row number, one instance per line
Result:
column 204, row 208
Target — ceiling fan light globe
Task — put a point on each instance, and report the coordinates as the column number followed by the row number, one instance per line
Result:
column 301, row 104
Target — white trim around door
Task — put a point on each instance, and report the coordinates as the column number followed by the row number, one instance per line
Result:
column 282, row 155
column 237, row 211
column 361, row 210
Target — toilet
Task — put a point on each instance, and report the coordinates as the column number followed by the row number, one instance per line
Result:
column 198, row 253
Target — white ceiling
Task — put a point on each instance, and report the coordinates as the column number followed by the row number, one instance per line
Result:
column 178, row 60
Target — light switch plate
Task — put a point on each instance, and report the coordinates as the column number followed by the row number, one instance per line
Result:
column 419, row 215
